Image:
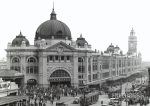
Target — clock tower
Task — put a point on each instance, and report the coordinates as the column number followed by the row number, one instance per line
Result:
column 132, row 43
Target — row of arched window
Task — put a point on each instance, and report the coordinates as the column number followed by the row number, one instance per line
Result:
column 29, row 60
column 31, row 68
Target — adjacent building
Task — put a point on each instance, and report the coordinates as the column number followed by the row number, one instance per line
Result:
column 3, row 64
column 56, row 59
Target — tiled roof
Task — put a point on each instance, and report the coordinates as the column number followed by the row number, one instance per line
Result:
column 9, row 73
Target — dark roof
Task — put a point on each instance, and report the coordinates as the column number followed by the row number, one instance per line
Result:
column 81, row 41
column 110, row 48
column 18, row 40
column 9, row 73
column 11, row 99
column 53, row 28
column 117, row 47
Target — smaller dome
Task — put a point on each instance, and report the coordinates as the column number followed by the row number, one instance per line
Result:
column 117, row 47
column 18, row 40
column 111, row 48
column 81, row 41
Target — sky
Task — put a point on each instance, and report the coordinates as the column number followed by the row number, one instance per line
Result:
column 101, row 22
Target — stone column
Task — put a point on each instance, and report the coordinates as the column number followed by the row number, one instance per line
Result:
column 75, row 79
column 43, row 70
column 23, row 68
column 91, row 62
column 8, row 61
column 86, row 69
column 110, row 67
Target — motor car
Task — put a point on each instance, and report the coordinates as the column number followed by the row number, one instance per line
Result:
column 76, row 100
column 114, row 101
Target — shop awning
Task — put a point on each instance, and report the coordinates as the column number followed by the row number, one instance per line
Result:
column 6, row 73
column 11, row 99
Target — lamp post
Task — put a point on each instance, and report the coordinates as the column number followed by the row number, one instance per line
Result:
column 84, row 93
column 84, row 98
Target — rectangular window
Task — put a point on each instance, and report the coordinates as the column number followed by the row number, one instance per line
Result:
column 81, row 82
column 106, row 75
column 27, row 70
column 95, row 67
column 80, row 76
column 95, row 59
column 51, row 58
column 89, row 77
column 31, row 70
column 81, row 69
column 68, row 58
column 62, row 57
column 105, row 64
column 95, row 77
column 56, row 58
column 89, row 68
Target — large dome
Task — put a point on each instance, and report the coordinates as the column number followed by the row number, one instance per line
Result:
column 53, row 28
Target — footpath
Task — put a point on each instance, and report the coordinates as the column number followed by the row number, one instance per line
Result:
column 69, row 100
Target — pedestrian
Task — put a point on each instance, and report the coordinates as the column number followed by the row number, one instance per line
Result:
column 101, row 102
column 52, row 100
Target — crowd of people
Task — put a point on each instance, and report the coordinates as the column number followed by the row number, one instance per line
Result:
column 40, row 96
column 136, row 97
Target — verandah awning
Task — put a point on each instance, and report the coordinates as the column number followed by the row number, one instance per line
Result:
column 6, row 73
column 58, row 79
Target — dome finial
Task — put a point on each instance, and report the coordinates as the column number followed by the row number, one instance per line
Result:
column 81, row 35
column 53, row 14
column 20, row 33
column 132, row 33
column 53, row 5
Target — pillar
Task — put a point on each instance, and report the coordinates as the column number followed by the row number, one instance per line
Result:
column 43, row 70
column 75, row 80
column 23, row 69
column 86, row 69
column 8, row 61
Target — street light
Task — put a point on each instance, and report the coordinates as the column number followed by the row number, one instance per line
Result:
column 84, row 93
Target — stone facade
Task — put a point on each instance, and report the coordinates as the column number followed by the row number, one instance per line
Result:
column 64, row 61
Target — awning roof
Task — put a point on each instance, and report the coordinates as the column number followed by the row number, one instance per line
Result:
column 11, row 99
column 10, row 73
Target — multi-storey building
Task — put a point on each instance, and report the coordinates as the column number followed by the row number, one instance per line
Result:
column 56, row 59
column 3, row 64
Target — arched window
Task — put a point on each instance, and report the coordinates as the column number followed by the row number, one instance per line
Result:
column 80, row 59
column 15, row 60
column 31, row 60
column 60, row 73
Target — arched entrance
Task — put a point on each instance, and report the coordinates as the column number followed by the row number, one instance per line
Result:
column 60, row 77
column 31, row 82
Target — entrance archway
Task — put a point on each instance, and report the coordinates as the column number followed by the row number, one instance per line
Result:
column 31, row 82
column 60, row 77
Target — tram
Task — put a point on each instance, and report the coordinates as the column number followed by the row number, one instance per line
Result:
column 89, row 99
column 9, row 94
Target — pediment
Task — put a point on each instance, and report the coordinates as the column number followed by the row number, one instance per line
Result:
column 60, row 47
